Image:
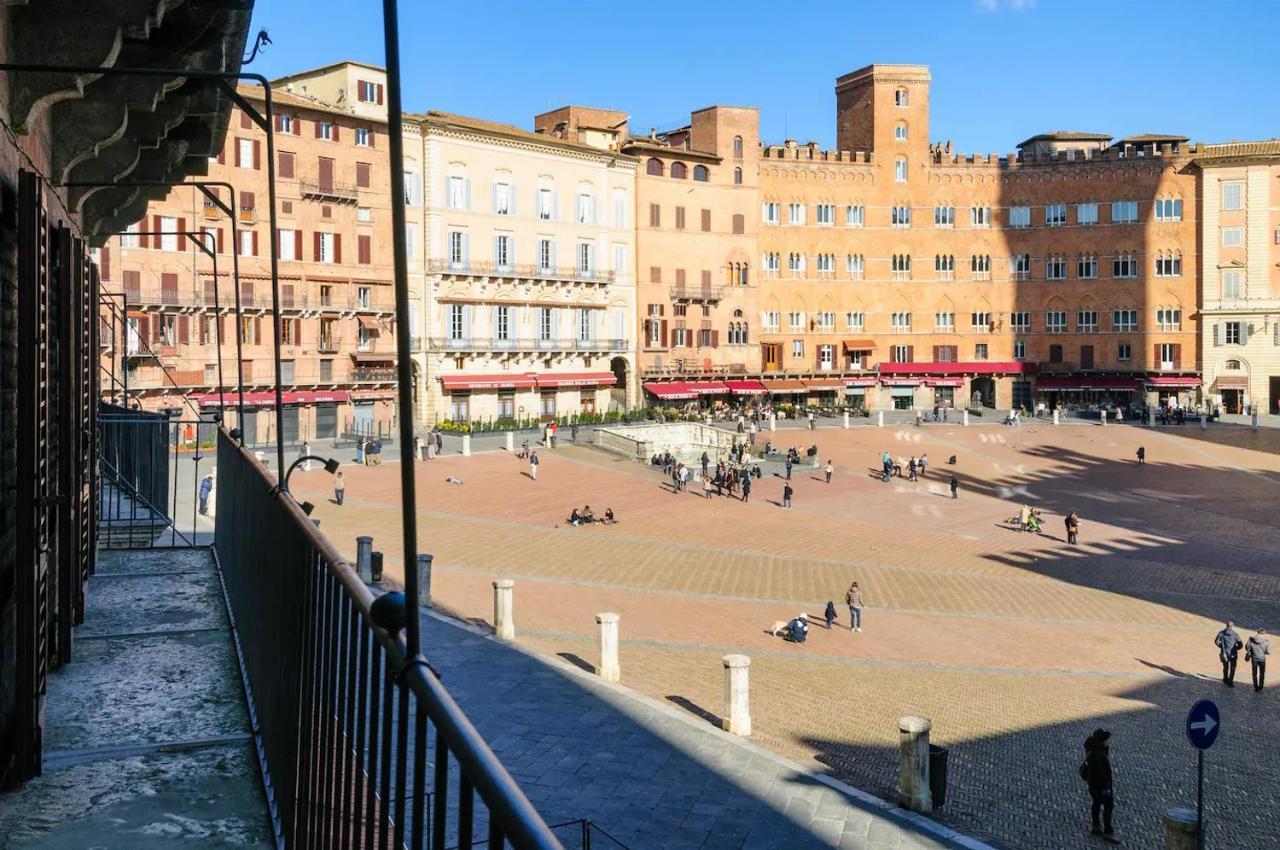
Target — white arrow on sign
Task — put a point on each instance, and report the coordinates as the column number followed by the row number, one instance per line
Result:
column 1206, row 725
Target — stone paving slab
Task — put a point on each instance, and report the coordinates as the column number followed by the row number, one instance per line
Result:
column 126, row 604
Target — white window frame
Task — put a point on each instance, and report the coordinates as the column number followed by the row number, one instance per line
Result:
column 1019, row 217
column 771, row 212
column 944, row 217
column 900, row 170
column 855, row 215
column 1124, row 212
column 1233, row 196
column 1168, row 209
column 362, row 137
column 1087, row 214
column 980, row 217
column 1055, row 215
column 1055, row 321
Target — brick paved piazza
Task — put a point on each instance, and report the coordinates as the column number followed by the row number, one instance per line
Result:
column 1015, row 645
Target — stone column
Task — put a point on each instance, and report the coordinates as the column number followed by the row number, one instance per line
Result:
column 466, row 445
column 608, row 669
column 846, row 419
column 913, row 765
column 1055, row 416
column 964, row 418
column 773, row 422
column 504, row 621
column 1181, row 831
column 511, row 442
column 424, row 581
column 879, row 418
column 737, row 718
column 364, row 559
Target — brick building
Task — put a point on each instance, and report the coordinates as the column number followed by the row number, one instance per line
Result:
column 335, row 261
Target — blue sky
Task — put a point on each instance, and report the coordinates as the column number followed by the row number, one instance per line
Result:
column 1003, row 70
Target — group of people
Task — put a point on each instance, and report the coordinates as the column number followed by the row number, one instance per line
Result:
column 1256, row 649
column 914, row 467
column 369, row 451
column 429, row 447
column 586, row 516
column 797, row 628
column 727, row 479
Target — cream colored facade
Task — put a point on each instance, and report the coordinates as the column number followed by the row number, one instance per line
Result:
column 1240, row 271
column 523, row 270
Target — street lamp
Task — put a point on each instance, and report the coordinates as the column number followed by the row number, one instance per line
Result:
column 330, row 466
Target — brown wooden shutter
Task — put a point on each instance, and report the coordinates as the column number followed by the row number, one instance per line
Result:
column 144, row 241
column 257, row 331
column 379, row 94
column 317, row 253
column 373, row 137
column 248, row 200
column 706, row 279
column 185, row 226
column 297, row 126
column 335, row 131
column 222, row 329
column 222, row 155
column 245, row 121
column 364, row 249
column 362, row 175
column 325, row 179
column 715, row 339
column 337, row 248
column 184, row 329
column 237, row 152
column 220, row 248
column 706, row 221
column 911, row 354
column 144, row 329
column 1155, row 357
column 104, row 264
column 257, row 154
column 255, row 243
column 297, row 245
column 157, row 224
column 317, row 126
column 739, row 223
column 655, row 274
column 286, row 165
column 1177, row 355
column 936, row 356
column 279, row 124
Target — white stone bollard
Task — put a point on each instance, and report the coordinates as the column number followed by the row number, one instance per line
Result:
column 212, row 507
column 737, row 718
column 1181, row 830
column 504, row 621
column 964, row 418
column 1103, row 419
column 1255, row 417
column 608, row 669
column 511, row 442
column 913, row 764
column 1204, row 422
column 846, row 419
column 773, row 422
column 1055, row 416
column 466, row 445
column 1151, row 416
column 424, row 581
column 879, row 418
column 364, row 559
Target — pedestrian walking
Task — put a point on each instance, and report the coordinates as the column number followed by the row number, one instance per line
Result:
column 828, row 470
column 1228, row 643
column 339, row 488
column 955, row 487
column 360, row 451
column 812, row 424
column 206, row 487
column 787, row 493
column 1073, row 528
column 706, row 464
column 533, row 465
column 439, row 443
column 788, row 466
column 913, row 467
column 706, row 486
column 923, row 463
column 418, row 447
column 683, row 472
column 573, row 432
column 830, row 614
column 1256, row 652
column 1142, row 455
column 746, row 488
column 853, row 598
column 1096, row 771
column 754, row 430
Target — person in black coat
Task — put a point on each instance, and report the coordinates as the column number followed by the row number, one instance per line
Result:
column 1096, row 771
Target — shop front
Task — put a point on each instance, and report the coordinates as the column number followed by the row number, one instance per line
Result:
column 855, row 392
column 945, row 391
column 1232, row 392
column 1074, row 393
column 823, row 391
column 1173, row 392
column 902, row 392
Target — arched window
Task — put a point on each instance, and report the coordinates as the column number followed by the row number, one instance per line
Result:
column 737, row 176
column 701, row 174
column 679, row 170
column 737, row 147
column 900, row 97
column 1232, row 365
column 654, row 166
column 900, row 131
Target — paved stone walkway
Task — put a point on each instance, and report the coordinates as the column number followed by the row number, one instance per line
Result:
column 647, row 774
column 1016, row 645
column 147, row 741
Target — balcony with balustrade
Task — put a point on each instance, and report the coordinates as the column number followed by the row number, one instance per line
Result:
column 558, row 345
column 514, row 271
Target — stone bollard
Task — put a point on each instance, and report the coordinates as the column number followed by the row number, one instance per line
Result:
column 773, row 422
column 879, row 418
column 608, row 669
column 511, row 442
column 1181, row 831
column 364, row 558
column 424, row 581
column 1103, row 419
column 1204, row 422
column 846, row 419
column 504, row 621
column 1151, row 416
column 466, row 445
column 737, row 718
column 964, row 418
column 1055, row 416
column 913, row 765
column 1255, row 417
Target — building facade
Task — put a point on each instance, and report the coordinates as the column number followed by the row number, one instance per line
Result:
column 1240, row 272
column 337, row 306
column 522, row 269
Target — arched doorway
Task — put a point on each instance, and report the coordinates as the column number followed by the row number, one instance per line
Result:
column 983, row 391
column 618, row 366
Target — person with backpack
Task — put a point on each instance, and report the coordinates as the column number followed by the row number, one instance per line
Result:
column 1256, row 651
column 830, row 613
column 1228, row 643
column 1096, row 771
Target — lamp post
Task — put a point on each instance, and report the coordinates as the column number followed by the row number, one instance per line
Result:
column 330, row 466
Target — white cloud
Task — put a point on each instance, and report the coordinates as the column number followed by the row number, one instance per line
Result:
column 1011, row 5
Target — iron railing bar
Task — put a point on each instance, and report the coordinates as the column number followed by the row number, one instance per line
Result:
column 441, row 801
column 376, row 678
column 361, row 729
column 420, row 744
column 402, row 762
column 388, row 792
column 466, row 814
column 355, row 640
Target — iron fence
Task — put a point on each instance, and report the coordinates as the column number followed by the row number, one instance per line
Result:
column 354, row 741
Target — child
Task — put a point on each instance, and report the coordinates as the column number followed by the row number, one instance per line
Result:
column 831, row 613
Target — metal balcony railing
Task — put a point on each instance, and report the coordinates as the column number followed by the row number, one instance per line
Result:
column 480, row 268
column 330, row 191
column 489, row 345
column 337, row 703
column 371, row 374
column 709, row 294
column 328, row 343
column 257, row 298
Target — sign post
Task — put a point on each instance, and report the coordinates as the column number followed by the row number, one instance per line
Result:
column 1203, row 725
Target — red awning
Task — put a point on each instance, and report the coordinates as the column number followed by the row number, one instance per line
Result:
column 708, row 387
column 295, row 397
column 784, row 385
column 859, row 345
column 823, row 384
column 974, row 367
column 944, row 382
column 1089, row 383
column 576, row 379
column 1173, row 381
column 859, row 382
column 513, row 381
column 673, row 391
column 746, row 387
column 370, row 324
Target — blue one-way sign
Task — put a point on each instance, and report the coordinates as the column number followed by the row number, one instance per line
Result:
column 1203, row 724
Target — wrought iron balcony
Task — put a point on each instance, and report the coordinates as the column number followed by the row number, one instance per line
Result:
column 707, row 294
column 498, row 346
column 340, row 192
column 481, row 268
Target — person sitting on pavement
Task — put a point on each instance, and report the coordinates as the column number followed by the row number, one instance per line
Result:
column 575, row 518
column 798, row 629
column 587, row 515
column 609, row 518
